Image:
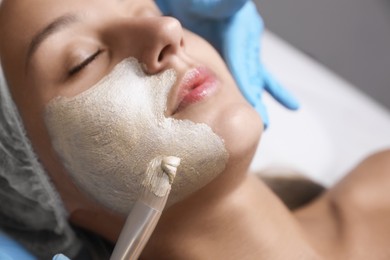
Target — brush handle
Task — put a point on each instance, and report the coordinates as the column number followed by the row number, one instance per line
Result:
column 138, row 228
column 146, row 211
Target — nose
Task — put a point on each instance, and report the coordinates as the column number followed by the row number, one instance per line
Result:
column 163, row 39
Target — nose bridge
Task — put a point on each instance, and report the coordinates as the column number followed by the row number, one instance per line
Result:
column 167, row 30
column 162, row 39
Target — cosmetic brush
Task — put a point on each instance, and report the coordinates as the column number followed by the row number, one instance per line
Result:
column 147, row 210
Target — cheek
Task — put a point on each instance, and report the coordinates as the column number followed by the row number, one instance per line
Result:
column 107, row 136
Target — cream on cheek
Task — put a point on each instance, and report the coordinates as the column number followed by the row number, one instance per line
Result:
column 107, row 135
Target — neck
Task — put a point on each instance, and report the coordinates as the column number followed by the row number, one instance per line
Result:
column 248, row 223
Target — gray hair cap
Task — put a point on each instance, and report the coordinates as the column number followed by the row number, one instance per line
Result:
column 31, row 210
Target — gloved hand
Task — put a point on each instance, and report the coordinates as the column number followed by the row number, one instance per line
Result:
column 234, row 28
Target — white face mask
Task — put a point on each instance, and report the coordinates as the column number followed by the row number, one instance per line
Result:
column 107, row 135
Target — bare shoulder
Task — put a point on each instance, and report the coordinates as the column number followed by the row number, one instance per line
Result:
column 367, row 186
column 352, row 219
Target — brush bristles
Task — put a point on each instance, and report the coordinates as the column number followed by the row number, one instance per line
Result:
column 169, row 165
column 160, row 174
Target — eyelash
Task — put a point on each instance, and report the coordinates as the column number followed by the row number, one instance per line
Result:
column 76, row 69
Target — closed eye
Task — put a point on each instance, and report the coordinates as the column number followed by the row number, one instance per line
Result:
column 76, row 69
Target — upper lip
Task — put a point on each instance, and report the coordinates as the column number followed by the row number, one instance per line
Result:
column 189, row 81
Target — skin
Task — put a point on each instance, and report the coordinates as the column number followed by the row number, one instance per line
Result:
column 234, row 216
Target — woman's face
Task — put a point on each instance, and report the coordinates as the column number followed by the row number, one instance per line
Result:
column 63, row 48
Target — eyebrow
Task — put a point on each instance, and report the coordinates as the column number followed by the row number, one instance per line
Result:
column 52, row 28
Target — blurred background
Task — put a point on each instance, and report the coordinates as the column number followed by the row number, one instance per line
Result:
column 350, row 37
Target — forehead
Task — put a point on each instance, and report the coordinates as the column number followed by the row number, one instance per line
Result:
column 21, row 19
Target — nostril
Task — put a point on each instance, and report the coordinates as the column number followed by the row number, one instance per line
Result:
column 162, row 53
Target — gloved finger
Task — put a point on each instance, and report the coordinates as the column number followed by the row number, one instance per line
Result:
column 60, row 257
column 278, row 92
column 241, row 51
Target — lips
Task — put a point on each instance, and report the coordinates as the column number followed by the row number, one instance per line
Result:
column 196, row 85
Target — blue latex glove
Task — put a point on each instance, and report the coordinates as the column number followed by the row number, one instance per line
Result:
column 234, row 28
column 11, row 250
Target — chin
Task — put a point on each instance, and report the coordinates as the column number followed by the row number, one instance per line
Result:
column 240, row 127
